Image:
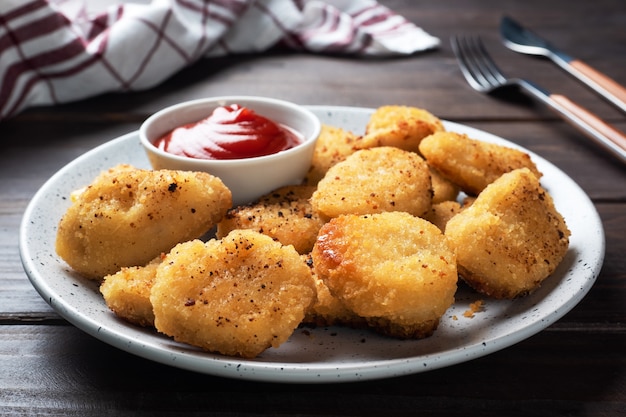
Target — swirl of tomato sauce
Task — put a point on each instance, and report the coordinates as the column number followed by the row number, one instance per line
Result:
column 230, row 132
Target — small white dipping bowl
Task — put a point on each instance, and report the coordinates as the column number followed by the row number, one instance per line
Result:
column 247, row 178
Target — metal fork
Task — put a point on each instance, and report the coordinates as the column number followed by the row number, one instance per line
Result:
column 483, row 75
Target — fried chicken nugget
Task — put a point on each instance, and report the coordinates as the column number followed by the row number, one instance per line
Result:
column 511, row 238
column 471, row 163
column 443, row 188
column 441, row 213
column 329, row 310
column 285, row 214
column 127, row 293
column 394, row 269
column 333, row 145
column 128, row 216
column 403, row 127
column 373, row 181
column 236, row 296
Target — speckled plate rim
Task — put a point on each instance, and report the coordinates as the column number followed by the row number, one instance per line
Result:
column 319, row 355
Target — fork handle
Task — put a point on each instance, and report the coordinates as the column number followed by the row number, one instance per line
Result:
column 603, row 134
column 614, row 135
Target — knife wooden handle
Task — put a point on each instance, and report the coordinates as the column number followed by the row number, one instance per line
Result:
column 592, row 122
column 618, row 91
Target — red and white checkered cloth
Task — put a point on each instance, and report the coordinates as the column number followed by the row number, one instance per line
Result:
column 55, row 51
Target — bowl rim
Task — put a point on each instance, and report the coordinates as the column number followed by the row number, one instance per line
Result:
column 225, row 100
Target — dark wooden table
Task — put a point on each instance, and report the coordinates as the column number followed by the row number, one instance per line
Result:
column 577, row 366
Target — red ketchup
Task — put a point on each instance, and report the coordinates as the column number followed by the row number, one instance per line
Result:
column 231, row 132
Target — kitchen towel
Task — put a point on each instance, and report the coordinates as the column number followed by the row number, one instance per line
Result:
column 58, row 51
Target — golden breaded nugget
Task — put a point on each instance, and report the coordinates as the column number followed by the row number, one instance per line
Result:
column 395, row 270
column 236, row 296
column 329, row 310
column 470, row 163
column 403, row 127
column 440, row 213
column 285, row 214
column 443, row 188
column 373, row 181
column 128, row 216
column 127, row 293
column 333, row 145
column 511, row 238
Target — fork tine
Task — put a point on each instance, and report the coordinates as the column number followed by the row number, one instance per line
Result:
column 479, row 69
column 490, row 69
column 468, row 72
column 484, row 76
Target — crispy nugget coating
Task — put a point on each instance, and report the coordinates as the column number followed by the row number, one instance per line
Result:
column 441, row 213
column 127, row 293
column 403, row 127
column 470, row 163
column 284, row 214
column 511, row 238
column 443, row 188
column 333, row 145
column 128, row 216
column 393, row 269
column 374, row 181
column 329, row 310
column 236, row 296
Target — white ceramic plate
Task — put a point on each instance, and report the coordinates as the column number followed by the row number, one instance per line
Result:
column 333, row 354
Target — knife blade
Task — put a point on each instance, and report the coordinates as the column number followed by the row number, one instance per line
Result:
column 520, row 39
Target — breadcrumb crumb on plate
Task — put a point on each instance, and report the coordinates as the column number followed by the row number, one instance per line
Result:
column 323, row 354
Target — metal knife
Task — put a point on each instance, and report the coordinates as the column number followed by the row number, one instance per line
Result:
column 522, row 40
